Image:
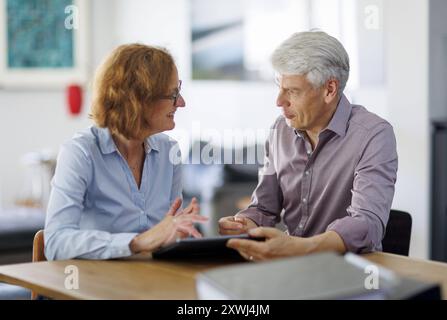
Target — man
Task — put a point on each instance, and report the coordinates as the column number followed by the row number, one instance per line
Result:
column 331, row 166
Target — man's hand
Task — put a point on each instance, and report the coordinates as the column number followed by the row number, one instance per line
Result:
column 278, row 244
column 235, row 225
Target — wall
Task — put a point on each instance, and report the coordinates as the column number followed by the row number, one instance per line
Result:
column 438, row 59
column 31, row 120
column 34, row 120
column 406, row 23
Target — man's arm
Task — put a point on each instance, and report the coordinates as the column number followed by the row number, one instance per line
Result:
column 372, row 193
column 328, row 241
column 266, row 201
column 278, row 244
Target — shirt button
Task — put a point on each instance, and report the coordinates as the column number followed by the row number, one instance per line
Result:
column 309, row 152
column 306, row 172
column 304, row 200
column 301, row 226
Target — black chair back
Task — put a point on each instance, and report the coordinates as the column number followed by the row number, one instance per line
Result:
column 398, row 233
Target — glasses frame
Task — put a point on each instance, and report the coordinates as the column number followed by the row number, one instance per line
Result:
column 174, row 97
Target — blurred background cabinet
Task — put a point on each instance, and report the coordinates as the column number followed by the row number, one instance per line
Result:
column 439, row 191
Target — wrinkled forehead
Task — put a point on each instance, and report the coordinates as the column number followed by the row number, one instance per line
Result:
column 292, row 81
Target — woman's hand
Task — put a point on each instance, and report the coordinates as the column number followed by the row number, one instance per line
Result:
column 193, row 208
column 175, row 224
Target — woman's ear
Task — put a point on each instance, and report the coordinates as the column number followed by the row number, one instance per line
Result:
column 331, row 93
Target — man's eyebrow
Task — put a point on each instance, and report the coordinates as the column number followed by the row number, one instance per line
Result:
column 292, row 88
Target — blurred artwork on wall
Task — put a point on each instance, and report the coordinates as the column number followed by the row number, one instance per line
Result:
column 36, row 34
column 42, row 42
column 232, row 39
column 217, row 40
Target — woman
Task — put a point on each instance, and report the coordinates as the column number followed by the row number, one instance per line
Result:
column 116, row 191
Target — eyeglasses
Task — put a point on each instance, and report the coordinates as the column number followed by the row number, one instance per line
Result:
column 174, row 97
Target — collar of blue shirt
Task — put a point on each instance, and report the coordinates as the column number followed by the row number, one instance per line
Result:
column 107, row 145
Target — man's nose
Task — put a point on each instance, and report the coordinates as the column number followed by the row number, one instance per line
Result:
column 281, row 101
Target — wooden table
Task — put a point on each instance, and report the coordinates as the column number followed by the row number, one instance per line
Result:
column 144, row 278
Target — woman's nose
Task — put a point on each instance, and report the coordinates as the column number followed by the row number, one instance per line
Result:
column 180, row 102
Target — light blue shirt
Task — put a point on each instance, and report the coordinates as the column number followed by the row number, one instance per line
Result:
column 95, row 207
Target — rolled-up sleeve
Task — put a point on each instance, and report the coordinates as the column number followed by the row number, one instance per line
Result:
column 266, row 201
column 362, row 230
column 62, row 234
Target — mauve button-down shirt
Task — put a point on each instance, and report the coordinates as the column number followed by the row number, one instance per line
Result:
column 346, row 184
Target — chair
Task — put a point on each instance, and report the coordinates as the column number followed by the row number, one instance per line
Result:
column 38, row 254
column 398, row 233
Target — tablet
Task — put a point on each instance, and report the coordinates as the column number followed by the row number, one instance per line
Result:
column 210, row 247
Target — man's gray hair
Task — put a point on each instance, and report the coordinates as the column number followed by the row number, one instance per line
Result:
column 314, row 54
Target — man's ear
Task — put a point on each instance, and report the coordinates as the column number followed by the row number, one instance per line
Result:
column 331, row 91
